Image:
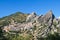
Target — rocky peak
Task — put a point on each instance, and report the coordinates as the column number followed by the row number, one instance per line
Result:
column 31, row 17
column 33, row 13
column 44, row 23
column 50, row 14
column 48, row 18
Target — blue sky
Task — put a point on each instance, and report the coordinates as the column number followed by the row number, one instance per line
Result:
column 8, row 7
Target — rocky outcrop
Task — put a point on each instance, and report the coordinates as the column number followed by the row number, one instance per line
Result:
column 48, row 18
column 18, row 27
column 40, row 25
column 31, row 17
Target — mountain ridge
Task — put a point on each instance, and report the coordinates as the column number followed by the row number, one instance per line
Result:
column 38, row 26
column 14, row 17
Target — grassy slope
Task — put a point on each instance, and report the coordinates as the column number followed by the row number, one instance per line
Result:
column 18, row 17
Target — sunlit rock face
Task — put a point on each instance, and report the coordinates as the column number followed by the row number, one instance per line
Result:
column 47, row 18
column 18, row 27
column 31, row 17
column 43, row 24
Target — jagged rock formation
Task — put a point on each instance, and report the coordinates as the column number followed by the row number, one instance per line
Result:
column 31, row 17
column 39, row 26
column 48, row 18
